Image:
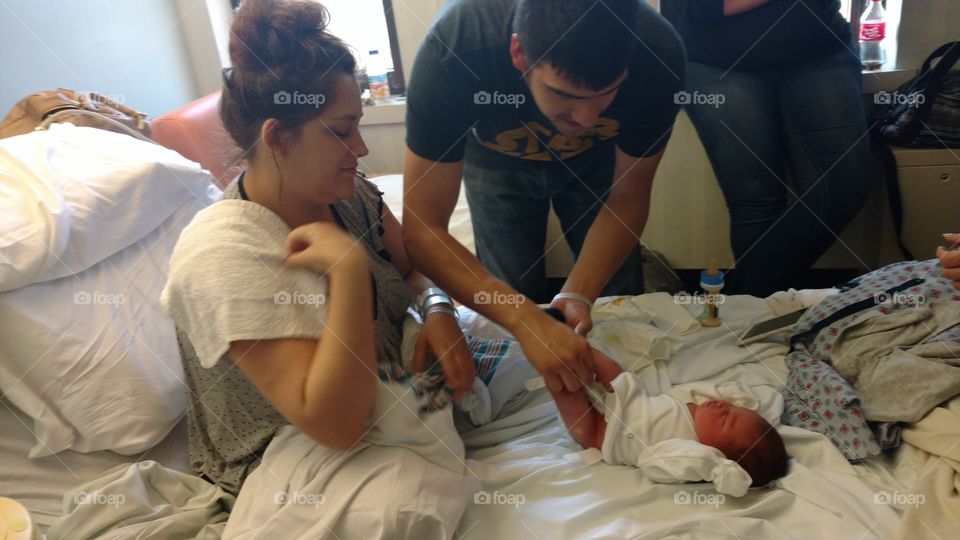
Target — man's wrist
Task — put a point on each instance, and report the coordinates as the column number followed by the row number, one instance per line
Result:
column 574, row 296
column 518, row 315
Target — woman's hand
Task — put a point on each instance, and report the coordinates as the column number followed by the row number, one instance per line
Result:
column 441, row 339
column 324, row 247
column 563, row 358
column 950, row 258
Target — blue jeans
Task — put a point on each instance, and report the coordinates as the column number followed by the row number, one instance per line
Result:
column 509, row 202
column 807, row 119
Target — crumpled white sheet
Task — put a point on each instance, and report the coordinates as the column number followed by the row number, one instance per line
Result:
column 407, row 478
column 636, row 331
column 790, row 300
column 821, row 497
column 143, row 500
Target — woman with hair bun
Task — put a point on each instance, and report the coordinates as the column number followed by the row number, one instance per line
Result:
column 289, row 297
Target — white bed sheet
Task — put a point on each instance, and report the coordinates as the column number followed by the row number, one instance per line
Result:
column 39, row 484
column 534, row 488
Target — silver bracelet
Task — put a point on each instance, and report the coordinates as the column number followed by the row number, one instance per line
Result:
column 573, row 296
column 430, row 297
column 442, row 307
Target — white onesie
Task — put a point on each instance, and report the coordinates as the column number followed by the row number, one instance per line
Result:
column 656, row 433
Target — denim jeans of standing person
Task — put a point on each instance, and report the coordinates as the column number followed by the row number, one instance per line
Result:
column 806, row 119
column 509, row 202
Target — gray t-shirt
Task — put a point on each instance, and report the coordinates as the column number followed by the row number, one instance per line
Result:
column 230, row 423
column 463, row 74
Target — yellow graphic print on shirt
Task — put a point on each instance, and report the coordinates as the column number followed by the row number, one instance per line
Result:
column 535, row 141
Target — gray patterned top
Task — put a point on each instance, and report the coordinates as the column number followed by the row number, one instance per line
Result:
column 230, row 423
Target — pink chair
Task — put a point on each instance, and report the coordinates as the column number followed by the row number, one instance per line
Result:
column 196, row 132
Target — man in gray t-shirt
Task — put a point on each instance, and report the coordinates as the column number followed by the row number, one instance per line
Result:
column 538, row 103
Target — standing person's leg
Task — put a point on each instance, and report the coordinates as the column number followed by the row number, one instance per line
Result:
column 828, row 146
column 737, row 116
column 508, row 210
column 579, row 187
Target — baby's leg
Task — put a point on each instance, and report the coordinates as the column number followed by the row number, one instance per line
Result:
column 584, row 423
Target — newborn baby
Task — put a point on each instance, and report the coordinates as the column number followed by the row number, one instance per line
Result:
column 667, row 435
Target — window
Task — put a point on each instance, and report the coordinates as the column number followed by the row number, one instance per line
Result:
column 366, row 25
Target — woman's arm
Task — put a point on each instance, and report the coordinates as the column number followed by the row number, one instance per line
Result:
column 950, row 258
column 325, row 388
column 441, row 337
column 733, row 7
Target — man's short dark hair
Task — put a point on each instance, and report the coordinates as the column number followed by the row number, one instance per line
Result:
column 588, row 42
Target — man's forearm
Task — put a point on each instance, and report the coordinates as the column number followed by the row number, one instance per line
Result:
column 440, row 257
column 614, row 234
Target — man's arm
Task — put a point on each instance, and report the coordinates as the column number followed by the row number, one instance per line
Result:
column 430, row 191
column 617, row 227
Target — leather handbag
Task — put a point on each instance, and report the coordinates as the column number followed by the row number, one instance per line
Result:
column 88, row 109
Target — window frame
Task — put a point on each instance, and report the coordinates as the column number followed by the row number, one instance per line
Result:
column 398, row 84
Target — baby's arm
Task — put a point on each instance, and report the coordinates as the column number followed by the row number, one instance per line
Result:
column 582, row 420
column 586, row 424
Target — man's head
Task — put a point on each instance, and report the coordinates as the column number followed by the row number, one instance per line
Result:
column 573, row 55
column 743, row 436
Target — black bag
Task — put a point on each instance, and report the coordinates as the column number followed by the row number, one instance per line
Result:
column 923, row 113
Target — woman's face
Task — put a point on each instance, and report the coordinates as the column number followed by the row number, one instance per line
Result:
column 320, row 162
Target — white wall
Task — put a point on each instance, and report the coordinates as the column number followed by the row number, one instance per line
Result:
column 132, row 50
column 924, row 26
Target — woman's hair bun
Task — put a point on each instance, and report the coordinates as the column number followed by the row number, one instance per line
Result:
column 274, row 34
column 279, row 48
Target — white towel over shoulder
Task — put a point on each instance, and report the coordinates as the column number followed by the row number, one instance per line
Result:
column 228, row 281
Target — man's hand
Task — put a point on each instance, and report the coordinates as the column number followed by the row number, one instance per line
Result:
column 441, row 339
column 950, row 258
column 576, row 314
column 563, row 358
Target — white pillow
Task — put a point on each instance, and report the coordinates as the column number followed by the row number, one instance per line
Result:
column 72, row 196
column 91, row 357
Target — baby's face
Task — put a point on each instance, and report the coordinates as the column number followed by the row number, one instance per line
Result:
column 726, row 427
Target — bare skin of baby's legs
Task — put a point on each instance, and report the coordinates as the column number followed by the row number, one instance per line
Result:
column 584, row 423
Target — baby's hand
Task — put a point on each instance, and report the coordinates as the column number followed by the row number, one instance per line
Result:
column 607, row 369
